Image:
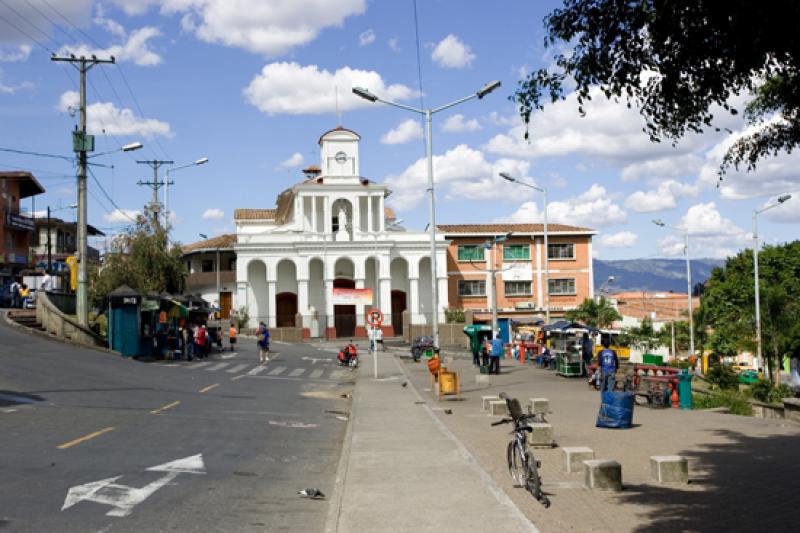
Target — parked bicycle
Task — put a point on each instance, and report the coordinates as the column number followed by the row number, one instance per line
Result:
column 522, row 464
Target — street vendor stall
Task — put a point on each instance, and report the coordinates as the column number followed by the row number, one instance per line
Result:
column 564, row 339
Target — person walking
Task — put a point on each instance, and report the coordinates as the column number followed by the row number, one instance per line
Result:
column 200, row 341
column 24, row 293
column 609, row 363
column 14, row 289
column 232, row 336
column 587, row 351
column 497, row 352
column 263, row 342
column 379, row 338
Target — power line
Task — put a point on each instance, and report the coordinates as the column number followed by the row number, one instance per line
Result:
column 38, row 154
column 68, row 21
column 113, row 203
column 26, row 34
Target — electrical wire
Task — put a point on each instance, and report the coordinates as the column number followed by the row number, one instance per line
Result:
column 118, row 208
column 38, row 154
column 31, row 24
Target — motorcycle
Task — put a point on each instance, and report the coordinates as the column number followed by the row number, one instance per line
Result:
column 352, row 362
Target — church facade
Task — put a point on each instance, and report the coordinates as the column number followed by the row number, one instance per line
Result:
column 330, row 249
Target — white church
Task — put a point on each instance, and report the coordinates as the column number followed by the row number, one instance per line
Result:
column 330, row 249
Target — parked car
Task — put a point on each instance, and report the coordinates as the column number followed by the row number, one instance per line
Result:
column 749, row 377
column 420, row 345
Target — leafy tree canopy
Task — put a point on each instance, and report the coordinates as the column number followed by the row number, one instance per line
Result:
column 596, row 313
column 141, row 259
column 678, row 61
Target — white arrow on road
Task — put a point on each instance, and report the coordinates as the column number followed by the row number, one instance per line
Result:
column 315, row 359
column 124, row 498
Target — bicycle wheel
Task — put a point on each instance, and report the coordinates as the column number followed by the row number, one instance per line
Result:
column 534, row 483
column 516, row 464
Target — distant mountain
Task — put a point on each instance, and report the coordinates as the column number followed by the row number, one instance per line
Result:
column 651, row 274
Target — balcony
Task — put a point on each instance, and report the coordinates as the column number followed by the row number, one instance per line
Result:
column 205, row 279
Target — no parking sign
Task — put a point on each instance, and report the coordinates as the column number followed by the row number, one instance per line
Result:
column 374, row 317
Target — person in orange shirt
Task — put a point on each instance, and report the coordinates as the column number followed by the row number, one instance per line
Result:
column 232, row 336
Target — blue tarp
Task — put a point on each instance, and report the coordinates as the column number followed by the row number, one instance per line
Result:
column 616, row 410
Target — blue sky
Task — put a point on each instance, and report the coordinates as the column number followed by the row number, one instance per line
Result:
column 252, row 84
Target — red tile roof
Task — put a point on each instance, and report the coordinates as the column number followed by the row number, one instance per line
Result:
column 505, row 228
column 222, row 242
column 254, row 214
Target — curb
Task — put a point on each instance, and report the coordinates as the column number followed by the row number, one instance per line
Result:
column 52, row 337
column 335, row 507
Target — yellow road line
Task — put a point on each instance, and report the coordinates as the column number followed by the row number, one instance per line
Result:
column 206, row 389
column 238, row 377
column 84, row 438
column 164, row 407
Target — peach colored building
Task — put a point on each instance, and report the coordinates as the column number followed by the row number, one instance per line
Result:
column 658, row 306
column 519, row 267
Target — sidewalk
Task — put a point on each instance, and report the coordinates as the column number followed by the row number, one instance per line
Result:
column 403, row 470
column 408, row 466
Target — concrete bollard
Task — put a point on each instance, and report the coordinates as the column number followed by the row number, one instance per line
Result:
column 602, row 474
column 482, row 379
column 541, row 436
column 669, row 468
column 498, row 408
column 575, row 456
column 539, row 406
column 486, row 399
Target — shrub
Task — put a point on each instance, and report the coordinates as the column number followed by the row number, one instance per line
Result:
column 722, row 377
column 736, row 402
column 767, row 392
column 243, row 318
column 681, row 363
column 454, row 316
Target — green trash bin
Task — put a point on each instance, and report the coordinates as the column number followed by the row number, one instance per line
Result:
column 685, row 389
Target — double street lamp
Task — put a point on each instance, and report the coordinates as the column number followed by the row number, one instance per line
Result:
column 659, row 222
column 428, row 113
column 781, row 199
column 493, row 271
column 506, row 176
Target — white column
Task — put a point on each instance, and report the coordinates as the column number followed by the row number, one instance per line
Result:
column 370, row 207
column 326, row 215
column 379, row 214
column 314, row 226
column 386, row 299
column 539, row 292
column 413, row 306
column 444, row 298
column 356, row 203
column 329, row 303
column 241, row 297
column 302, row 301
column 271, row 304
column 360, row 309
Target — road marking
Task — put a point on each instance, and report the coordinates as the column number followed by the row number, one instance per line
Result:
column 336, row 374
column 296, row 372
column 297, row 425
column 277, row 371
column 228, row 356
column 165, row 407
column 200, row 365
column 238, row 368
column 217, row 366
column 315, row 359
column 84, row 438
column 124, row 498
column 316, row 373
column 206, row 389
column 237, row 378
column 257, row 370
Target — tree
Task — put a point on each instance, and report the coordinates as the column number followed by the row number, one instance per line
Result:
column 142, row 259
column 596, row 313
column 643, row 337
column 679, row 61
column 729, row 304
column 681, row 336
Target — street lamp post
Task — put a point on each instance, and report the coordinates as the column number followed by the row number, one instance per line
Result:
column 780, row 200
column 493, row 272
column 201, row 161
column 659, row 222
column 543, row 190
column 428, row 113
column 216, row 264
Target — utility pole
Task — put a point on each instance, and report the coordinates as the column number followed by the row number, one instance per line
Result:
column 155, row 205
column 82, row 143
column 49, row 255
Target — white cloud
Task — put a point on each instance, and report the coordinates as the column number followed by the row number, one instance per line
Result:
column 664, row 197
column 13, row 89
column 268, row 28
column 122, row 216
column 788, row 212
column 136, row 48
column 28, row 14
column 213, row 213
column 450, row 52
column 408, row 130
column 14, row 53
column 622, row 239
column 294, row 161
column 104, row 117
column 710, row 234
column 594, row 208
column 504, row 120
column 663, row 168
column 367, row 37
column 457, row 124
column 461, row 172
column 294, row 89
column 394, row 44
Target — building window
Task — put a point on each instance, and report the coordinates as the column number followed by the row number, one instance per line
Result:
column 470, row 252
column 232, row 264
column 562, row 286
column 516, row 252
column 561, row 251
column 207, row 265
column 518, row 288
column 189, row 267
column 471, row 287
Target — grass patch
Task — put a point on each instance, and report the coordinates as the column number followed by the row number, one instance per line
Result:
column 736, row 402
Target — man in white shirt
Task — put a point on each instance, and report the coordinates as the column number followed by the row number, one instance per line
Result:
column 47, row 283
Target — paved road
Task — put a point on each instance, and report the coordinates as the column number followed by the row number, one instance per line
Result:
column 245, row 438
